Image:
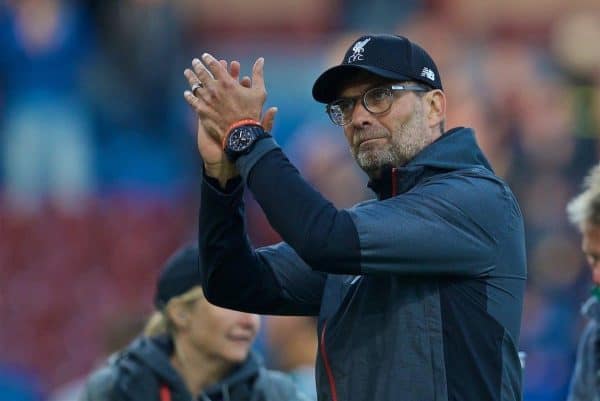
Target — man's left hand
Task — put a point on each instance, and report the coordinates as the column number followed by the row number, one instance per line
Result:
column 222, row 99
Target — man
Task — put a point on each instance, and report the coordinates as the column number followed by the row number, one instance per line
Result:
column 191, row 350
column 584, row 213
column 419, row 293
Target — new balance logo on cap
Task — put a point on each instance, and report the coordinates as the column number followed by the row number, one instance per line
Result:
column 427, row 73
column 358, row 49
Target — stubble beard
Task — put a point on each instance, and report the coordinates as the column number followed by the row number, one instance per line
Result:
column 406, row 141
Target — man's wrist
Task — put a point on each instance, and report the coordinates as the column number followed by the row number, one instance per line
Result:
column 226, row 187
column 221, row 174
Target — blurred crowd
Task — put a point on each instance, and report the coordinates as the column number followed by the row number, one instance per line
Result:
column 99, row 171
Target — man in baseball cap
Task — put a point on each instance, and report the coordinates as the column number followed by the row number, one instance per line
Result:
column 419, row 292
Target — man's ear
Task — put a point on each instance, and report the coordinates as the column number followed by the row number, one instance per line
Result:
column 436, row 100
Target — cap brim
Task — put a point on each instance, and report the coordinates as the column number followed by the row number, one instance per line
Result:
column 327, row 87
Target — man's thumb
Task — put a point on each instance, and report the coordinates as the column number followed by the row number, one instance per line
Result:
column 269, row 118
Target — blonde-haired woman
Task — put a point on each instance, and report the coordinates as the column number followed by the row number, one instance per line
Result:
column 190, row 350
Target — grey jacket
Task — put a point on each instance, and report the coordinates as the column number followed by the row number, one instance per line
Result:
column 585, row 384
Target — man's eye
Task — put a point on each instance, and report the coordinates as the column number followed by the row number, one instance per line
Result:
column 345, row 106
column 378, row 95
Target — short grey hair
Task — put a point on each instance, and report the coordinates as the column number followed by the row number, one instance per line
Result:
column 585, row 207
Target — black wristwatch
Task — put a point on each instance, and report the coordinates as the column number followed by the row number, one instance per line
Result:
column 240, row 140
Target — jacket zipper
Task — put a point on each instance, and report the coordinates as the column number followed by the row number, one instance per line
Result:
column 327, row 366
column 165, row 393
column 394, row 181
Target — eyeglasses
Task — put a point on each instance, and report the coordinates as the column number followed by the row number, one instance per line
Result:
column 376, row 100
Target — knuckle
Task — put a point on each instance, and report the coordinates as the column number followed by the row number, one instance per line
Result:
column 212, row 93
column 201, row 110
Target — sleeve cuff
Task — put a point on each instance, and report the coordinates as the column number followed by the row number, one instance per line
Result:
column 246, row 162
column 232, row 186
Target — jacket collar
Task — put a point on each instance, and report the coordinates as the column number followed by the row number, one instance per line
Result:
column 455, row 150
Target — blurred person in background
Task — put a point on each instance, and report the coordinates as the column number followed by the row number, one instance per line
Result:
column 46, row 133
column 420, row 292
column 292, row 345
column 190, row 350
column 584, row 213
column 319, row 152
column 132, row 34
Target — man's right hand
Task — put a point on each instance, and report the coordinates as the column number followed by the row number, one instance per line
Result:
column 216, row 164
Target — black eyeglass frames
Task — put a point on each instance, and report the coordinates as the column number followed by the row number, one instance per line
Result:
column 376, row 100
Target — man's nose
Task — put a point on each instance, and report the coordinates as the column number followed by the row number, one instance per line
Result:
column 361, row 116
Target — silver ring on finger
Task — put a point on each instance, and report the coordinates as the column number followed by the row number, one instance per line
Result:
column 196, row 86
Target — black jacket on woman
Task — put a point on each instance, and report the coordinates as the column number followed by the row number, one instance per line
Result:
column 140, row 371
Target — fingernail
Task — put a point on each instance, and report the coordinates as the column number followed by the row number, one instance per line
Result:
column 195, row 61
column 206, row 56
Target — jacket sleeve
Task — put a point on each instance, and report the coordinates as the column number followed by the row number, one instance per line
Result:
column 583, row 385
column 121, row 378
column 269, row 280
column 100, row 385
column 444, row 226
column 435, row 229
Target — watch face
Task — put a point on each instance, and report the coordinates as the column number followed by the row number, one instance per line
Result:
column 240, row 139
